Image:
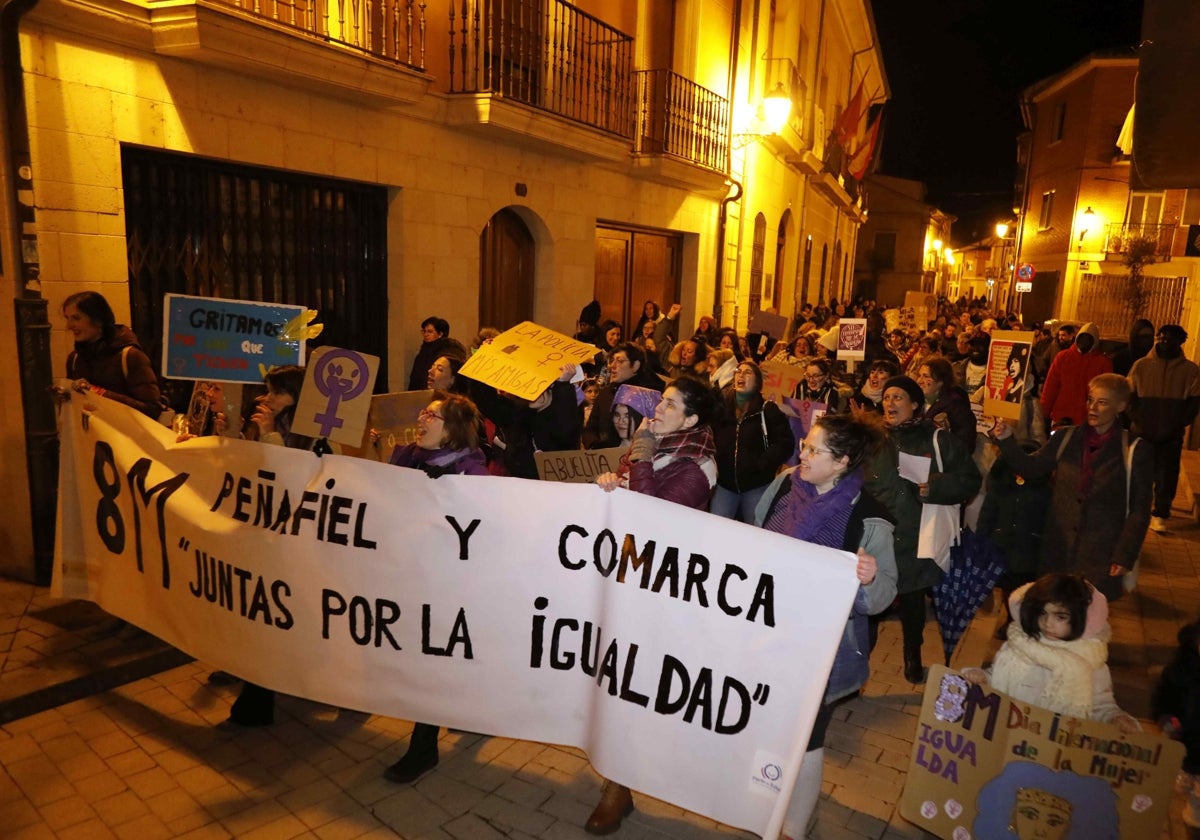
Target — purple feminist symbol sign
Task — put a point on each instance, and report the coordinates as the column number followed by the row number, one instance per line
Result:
column 340, row 375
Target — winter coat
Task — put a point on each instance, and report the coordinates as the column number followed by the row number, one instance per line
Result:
column 751, row 449
column 1166, row 396
column 522, row 430
column 827, row 394
column 1178, row 695
column 1088, row 535
column 1013, row 517
column 1069, row 678
column 679, row 480
column 870, row 529
column 427, row 354
column 954, row 405
column 958, row 481
column 1064, row 393
column 126, row 375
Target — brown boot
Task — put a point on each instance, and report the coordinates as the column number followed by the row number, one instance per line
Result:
column 616, row 803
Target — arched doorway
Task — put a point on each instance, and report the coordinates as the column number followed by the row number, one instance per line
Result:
column 757, row 258
column 506, row 271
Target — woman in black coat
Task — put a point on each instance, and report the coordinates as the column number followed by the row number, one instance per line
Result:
column 753, row 439
column 946, row 404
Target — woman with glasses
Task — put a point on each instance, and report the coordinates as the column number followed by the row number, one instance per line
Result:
column 671, row 458
column 818, row 386
column 823, row 501
column 753, row 439
column 447, row 444
column 955, row 481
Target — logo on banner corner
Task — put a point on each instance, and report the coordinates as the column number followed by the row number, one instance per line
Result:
column 767, row 773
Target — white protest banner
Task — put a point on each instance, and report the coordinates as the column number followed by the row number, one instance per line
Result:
column 524, row 360
column 1007, row 373
column 982, row 762
column 684, row 652
column 336, row 396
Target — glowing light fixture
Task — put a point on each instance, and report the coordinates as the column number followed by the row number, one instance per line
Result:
column 1086, row 219
column 1001, row 229
column 777, row 107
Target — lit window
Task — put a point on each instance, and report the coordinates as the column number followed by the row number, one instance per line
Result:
column 1047, row 209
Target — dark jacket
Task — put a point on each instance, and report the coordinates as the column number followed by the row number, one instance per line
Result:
column 1166, row 395
column 439, row 462
column 126, row 375
column 958, row 481
column 1178, row 695
column 521, row 430
column 750, row 450
column 681, row 481
column 828, row 395
column 954, row 404
column 418, row 377
column 1087, row 535
column 1013, row 517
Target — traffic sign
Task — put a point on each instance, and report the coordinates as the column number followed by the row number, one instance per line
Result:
column 1025, row 271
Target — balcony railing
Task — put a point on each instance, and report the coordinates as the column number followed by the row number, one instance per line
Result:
column 678, row 117
column 392, row 30
column 1156, row 239
column 547, row 54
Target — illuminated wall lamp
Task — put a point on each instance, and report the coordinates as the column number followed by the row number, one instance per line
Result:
column 775, row 111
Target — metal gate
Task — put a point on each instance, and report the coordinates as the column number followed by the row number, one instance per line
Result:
column 197, row 226
column 1104, row 300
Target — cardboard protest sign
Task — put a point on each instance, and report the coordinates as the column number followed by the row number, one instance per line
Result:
column 227, row 340
column 852, row 339
column 982, row 762
column 780, row 379
column 913, row 299
column 394, row 417
column 768, row 323
column 577, row 466
column 336, row 395
column 684, row 651
column 1008, row 373
column 526, row 359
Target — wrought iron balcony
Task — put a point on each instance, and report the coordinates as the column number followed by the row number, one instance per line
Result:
column 546, row 54
column 1155, row 240
column 678, row 117
column 392, row 30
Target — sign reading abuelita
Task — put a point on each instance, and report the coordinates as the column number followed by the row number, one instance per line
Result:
column 226, row 340
column 987, row 766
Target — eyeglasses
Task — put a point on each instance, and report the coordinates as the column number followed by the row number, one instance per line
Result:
column 618, row 360
column 426, row 414
column 812, row 450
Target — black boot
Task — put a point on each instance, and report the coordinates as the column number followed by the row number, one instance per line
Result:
column 422, row 756
column 914, row 671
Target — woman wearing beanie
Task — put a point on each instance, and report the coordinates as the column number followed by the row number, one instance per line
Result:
column 956, row 481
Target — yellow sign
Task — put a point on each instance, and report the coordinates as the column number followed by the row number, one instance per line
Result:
column 526, row 359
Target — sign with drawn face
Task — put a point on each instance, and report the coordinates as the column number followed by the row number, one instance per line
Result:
column 852, row 339
column 1007, row 375
column 987, row 766
column 336, row 397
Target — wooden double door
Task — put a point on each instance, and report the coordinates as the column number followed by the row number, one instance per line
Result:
column 633, row 266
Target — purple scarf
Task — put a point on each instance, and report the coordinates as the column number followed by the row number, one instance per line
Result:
column 819, row 518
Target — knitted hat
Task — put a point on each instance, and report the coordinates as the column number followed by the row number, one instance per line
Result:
column 908, row 386
column 641, row 400
column 590, row 314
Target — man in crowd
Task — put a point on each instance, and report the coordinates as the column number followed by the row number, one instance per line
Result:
column 435, row 342
column 1166, row 396
column 626, row 365
column 1064, row 394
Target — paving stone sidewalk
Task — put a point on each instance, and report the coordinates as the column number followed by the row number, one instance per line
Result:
column 120, row 754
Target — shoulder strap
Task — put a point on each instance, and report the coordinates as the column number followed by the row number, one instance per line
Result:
column 125, row 362
column 1066, row 438
column 937, row 450
column 1127, row 447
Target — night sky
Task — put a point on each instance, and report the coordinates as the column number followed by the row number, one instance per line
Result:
column 956, row 70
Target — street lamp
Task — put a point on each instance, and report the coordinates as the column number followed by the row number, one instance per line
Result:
column 773, row 114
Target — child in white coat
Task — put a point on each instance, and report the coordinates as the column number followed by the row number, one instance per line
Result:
column 1056, row 655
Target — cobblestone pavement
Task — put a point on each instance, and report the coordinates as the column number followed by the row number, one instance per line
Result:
column 143, row 760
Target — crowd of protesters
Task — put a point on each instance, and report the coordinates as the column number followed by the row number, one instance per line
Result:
column 1109, row 428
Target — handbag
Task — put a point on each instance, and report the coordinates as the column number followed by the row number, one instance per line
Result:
column 941, row 525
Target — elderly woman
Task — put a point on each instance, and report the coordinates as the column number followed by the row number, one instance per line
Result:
column 954, row 482
column 671, row 458
column 1102, row 489
column 447, row 444
column 823, row 502
column 946, row 404
column 753, row 439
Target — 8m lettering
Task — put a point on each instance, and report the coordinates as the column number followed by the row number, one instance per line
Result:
column 109, row 523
